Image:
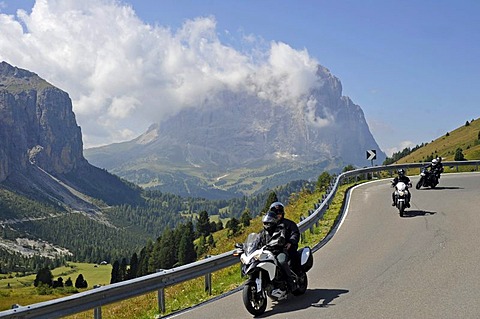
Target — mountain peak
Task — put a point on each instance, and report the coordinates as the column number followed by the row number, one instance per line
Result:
column 246, row 133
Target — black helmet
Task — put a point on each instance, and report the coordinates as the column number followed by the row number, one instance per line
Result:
column 277, row 208
column 269, row 220
column 401, row 172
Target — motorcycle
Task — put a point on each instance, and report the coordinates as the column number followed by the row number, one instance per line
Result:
column 401, row 197
column 427, row 179
column 265, row 277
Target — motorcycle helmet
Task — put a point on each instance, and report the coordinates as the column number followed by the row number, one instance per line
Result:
column 277, row 208
column 434, row 162
column 401, row 172
column 269, row 221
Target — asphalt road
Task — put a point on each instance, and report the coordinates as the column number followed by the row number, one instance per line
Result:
column 380, row 265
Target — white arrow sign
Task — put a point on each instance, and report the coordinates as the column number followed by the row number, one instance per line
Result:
column 371, row 155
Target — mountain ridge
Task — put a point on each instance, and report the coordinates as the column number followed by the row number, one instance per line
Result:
column 242, row 135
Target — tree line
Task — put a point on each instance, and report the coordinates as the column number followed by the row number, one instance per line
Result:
column 127, row 230
column 176, row 247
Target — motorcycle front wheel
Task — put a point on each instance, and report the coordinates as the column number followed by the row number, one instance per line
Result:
column 401, row 207
column 302, row 284
column 419, row 184
column 255, row 302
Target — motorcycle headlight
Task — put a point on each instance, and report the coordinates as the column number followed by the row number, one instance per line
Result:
column 245, row 259
column 257, row 255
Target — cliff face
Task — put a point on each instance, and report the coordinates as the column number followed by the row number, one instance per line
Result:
column 37, row 125
column 41, row 149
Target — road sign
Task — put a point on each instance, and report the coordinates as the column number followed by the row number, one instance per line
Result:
column 371, row 155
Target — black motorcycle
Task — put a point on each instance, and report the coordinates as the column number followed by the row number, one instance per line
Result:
column 428, row 178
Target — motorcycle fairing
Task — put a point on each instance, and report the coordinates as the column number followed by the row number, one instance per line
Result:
column 269, row 267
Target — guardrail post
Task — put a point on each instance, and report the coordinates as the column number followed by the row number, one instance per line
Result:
column 310, row 212
column 97, row 313
column 161, row 296
column 302, row 235
column 161, row 300
column 208, row 280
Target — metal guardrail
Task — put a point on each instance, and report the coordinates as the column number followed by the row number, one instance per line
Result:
column 98, row 297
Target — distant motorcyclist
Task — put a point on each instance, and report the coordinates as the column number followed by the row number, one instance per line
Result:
column 278, row 235
column 401, row 178
column 436, row 167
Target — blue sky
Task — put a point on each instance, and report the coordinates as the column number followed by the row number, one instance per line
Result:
column 412, row 66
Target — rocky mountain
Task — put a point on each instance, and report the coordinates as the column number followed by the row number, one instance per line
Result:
column 237, row 143
column 41, row 149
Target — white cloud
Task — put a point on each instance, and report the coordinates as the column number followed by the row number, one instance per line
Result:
column 123, row 74
column 403, row 145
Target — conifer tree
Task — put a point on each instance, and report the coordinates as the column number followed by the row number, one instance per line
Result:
column 144, row 260
column 69, row 282
column 115, row 274
column 186, row 249
column 44, row 276
column 133, row 269
column 80, row 282
column 459, row 155
column 203, row 224
column 233, row 226
column 272, row 198
column 323, row 181
column 165, row 251
column 211, row 241
column 246, row 218
column 122, row 271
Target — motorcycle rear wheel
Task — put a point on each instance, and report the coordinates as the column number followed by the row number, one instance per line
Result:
column 254, row 302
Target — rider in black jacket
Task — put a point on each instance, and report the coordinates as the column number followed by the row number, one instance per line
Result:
column 292, row 237
column 401, row 178
column 273, row 236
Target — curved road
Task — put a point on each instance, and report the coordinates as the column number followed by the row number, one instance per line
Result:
column 379, row 265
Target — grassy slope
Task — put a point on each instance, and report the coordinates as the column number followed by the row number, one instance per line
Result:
column 20, row 290
column 464, row 137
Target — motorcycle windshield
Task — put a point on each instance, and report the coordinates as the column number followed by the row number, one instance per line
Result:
column 251, row 243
